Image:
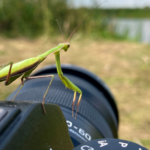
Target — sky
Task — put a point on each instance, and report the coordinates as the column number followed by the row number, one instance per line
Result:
column 111, row 3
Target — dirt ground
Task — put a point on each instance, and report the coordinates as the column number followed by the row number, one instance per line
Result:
column 123, row 66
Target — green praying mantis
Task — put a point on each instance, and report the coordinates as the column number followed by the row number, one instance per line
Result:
column 11, row 71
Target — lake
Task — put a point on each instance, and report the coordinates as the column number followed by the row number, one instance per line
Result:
column 133, row 28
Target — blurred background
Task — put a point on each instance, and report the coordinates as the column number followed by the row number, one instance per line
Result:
column 113, row 43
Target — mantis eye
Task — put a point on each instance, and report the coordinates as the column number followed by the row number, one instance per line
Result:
column 68, row 45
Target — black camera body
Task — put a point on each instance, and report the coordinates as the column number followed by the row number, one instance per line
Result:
column 24, row 125
column 29, row 128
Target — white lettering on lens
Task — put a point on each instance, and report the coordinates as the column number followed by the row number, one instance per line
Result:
column 75, row 127
column 123, row 144
column 69, row 123
column 81, row 131
column 87, row 136
column 102, row 143
column 84, row 147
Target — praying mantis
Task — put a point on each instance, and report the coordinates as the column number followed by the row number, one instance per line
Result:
column 11, row 71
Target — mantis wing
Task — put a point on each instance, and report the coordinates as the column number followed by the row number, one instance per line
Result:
column 19, row 68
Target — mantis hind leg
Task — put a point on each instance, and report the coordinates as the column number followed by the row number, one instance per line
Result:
column 46, row 76
column 9, row 72
column 4, row 65
column 7, row 82
column 19, row 88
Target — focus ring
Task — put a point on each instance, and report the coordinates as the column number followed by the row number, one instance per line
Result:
column 64, row 97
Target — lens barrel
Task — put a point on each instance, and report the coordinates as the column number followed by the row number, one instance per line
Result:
column 97, row 115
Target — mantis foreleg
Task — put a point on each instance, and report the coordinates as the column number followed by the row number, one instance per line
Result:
column 73, row 87
column 79, row 100
column 74, row 99
column 67, row 82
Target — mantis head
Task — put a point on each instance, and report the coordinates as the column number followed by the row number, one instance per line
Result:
column 65, row 46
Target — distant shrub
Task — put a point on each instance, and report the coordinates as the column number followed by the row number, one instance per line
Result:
column 33, row 18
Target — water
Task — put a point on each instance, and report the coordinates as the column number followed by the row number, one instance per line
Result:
column 138, row 29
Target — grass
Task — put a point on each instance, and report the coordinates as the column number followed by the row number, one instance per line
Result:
column 124, row 67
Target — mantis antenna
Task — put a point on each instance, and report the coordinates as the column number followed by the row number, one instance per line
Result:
column 83, row 21
column 60, row 30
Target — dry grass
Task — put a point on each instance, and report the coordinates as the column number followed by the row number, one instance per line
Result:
column 124, row 66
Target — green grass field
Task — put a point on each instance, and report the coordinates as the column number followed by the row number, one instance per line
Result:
column 124, row 67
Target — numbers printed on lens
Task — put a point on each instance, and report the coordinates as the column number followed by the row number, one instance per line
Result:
column 75, row 127
column 80, row 131
column 123, row 144
column 87, row 136
column 69, row 123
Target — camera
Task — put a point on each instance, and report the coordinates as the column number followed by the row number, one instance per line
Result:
column 24, row 126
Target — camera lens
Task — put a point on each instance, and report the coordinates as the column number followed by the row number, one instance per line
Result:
column 97, row 115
